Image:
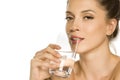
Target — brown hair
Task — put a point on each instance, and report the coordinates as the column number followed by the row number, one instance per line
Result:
column 113, row 12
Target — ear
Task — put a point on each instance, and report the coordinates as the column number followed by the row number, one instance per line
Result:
column 112, row 23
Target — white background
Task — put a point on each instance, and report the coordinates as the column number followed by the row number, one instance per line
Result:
column 27, row 26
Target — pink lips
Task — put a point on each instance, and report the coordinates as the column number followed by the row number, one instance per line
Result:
column 74, row 39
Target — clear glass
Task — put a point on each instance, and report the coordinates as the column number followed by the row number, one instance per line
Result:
column 66, row 65
column 67, row 59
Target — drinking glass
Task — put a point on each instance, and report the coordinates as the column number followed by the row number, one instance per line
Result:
column 67, row 59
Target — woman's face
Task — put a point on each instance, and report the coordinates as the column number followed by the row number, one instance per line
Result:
column 87, row 23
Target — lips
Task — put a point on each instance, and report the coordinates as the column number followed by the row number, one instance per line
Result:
column 75, row 39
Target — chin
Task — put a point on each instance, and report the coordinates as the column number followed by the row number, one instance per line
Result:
column 83, row 51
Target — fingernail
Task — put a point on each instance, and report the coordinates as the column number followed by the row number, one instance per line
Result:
column 58, row 55
column 58, row 60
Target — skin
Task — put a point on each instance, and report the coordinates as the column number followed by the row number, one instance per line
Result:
column 96, row 60
column 90, row 22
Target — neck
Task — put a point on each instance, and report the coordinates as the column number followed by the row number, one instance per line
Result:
column 97, row 63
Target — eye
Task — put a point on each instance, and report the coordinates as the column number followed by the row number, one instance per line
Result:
column 88, row 17
column 69, row 18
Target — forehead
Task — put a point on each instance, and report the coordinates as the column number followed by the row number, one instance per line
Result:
column 78, row 5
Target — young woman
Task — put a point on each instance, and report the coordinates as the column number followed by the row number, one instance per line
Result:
column 94, row 23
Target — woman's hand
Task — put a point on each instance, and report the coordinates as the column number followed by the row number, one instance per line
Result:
column 40, row 64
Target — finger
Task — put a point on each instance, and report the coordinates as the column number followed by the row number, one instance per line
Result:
column 44, row 65
column 54, row 46
column 39, row 63
column 48, row 56
column 52, row 58
column 40, row 52
column 49, row 49
column 35, row 62
column 52, row 51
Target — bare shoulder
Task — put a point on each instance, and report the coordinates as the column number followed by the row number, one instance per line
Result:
column 116, row 72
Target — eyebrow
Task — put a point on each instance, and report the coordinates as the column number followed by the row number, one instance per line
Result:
column 89, row 10
column 84, row 11
column 69, row 12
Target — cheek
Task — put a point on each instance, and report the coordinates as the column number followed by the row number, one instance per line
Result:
column 67, row 29
column 68, row 26
column 95, row 31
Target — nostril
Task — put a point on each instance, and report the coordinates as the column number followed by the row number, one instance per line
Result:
column 77, row 29
column 74, row 30
column 71, row 30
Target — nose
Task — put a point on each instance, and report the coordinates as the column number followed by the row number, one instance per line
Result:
column 75, row 27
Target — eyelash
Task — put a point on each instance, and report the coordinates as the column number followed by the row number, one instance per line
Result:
column 85, row 17
column 88, row 17
column 69, row 18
